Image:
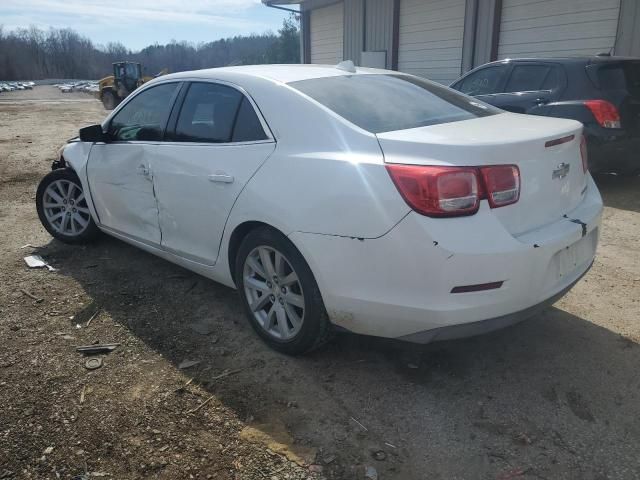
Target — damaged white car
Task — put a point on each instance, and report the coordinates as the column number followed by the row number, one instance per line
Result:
column 369, row 200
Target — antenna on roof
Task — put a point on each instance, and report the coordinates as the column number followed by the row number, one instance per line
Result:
column 347, row 66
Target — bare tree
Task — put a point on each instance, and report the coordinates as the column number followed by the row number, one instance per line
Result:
column 33, row 54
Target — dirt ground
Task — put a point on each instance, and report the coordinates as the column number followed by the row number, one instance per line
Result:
column 556, row 397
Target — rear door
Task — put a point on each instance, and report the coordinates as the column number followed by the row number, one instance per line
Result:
column 531, row 86
column 215, row 143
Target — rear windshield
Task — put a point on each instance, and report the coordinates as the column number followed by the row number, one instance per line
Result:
column 620, row 76
column 384, row 103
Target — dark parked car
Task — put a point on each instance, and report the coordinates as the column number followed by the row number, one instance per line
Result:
column 602, row 92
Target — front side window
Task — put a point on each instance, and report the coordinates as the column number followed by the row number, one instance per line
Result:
column 144, row 117
column 528, row 78
column 384, row 103
column 208, row 113
column 484, row 82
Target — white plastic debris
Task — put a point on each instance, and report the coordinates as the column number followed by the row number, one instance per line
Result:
column 36, row 261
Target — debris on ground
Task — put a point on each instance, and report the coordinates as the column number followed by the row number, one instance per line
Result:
column 379, row 455
column 188, row 364
column 370, row 473
column 203, row 328
column 93, row 363
column 31, row 296
column 359, row 424
column 97, row 312
column 97, row 348
column 327, row 459
column 36, row 261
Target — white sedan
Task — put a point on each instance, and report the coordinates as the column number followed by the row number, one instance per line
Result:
column 330, row 196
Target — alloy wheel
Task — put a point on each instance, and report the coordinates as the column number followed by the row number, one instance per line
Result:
column 65, row 208
column 274, row 292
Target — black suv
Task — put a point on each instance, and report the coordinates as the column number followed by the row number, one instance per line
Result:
column 601, row 92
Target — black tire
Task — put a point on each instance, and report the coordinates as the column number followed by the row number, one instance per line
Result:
column 316, row 328
column 109, row 100
column 90, row 232
column 628, row 170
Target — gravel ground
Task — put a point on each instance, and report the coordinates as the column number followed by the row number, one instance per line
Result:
column 556, row 397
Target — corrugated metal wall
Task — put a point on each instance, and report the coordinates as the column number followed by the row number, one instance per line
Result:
column 353, row 30
column 379, row 27
column 552, row 28
column 497, row 28
column 628, row 41
column 431, row 37
column 327, row 32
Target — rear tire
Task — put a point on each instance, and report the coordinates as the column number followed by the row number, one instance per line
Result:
column 109, row 100
column 62, row 208
column 279, row 293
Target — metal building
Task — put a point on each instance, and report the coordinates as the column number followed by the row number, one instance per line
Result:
column 441, row 39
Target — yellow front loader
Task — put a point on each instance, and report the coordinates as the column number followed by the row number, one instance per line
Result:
column 127, row 76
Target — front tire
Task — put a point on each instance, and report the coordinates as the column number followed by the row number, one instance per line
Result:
column 279, row 293
column 109, row 100
column 62, row 208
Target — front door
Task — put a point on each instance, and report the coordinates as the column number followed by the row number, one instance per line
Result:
column 119, row 173
column 217, row 142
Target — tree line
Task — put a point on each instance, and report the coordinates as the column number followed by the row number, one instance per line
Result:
column 35, row 54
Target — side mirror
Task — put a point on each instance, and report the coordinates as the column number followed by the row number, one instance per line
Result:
column 92, row 134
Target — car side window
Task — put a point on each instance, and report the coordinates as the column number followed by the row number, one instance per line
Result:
column 144, row 117
column 554, row 79
column 485, row 81
column 248, row 127
column 208, row 113
column 528, row 78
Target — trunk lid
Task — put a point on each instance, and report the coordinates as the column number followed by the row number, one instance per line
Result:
column 552, row 181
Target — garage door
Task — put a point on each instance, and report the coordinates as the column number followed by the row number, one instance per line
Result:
column 327, row 26
column 431, row 38
column 556, row 28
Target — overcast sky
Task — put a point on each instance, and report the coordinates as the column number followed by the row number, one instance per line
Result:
column 138, row 23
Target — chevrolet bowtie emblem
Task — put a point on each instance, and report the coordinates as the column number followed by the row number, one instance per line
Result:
column 561, row 171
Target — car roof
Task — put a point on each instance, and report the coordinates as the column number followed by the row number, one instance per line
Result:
column 587, row 60
column 276, row 73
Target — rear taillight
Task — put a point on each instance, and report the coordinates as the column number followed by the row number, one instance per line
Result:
column 584, row 154
column 502, row 184
column 455, row 191
column 437, row 191
column 605, row 113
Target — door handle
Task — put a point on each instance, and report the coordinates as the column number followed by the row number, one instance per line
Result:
column 542, row 101
column 221, row 178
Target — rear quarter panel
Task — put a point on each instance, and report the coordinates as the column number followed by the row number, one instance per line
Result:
column 326, row 176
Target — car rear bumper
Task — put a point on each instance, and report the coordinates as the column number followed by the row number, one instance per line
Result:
column 400, row 285
column 485, row 326
column 612, row 152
